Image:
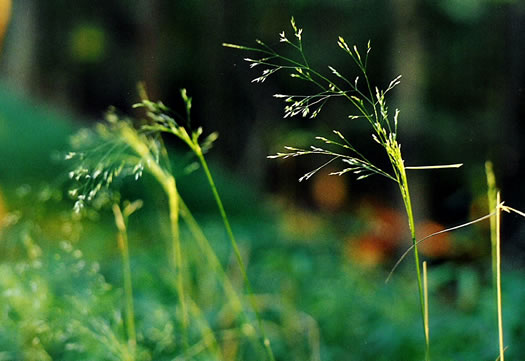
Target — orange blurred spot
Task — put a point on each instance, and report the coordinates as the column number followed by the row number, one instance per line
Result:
column 329, row 191
column 385, row 229
column 3, row 210
column 389, row 225
column 5, row 14
column 367, row 251
column 437, row 246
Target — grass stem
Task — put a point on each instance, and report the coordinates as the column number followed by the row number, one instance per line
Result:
column 122, row 238
column 398, row 164
column 169, row 185
column 498, row 280
column 425, row 289
column 170, row 188
column 494, row 202
column 266, row 340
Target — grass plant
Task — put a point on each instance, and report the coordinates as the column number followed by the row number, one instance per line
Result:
column 119, row 148
column 370, row 104
column 163, row 123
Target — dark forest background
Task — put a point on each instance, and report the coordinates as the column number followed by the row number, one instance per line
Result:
column 461, row 96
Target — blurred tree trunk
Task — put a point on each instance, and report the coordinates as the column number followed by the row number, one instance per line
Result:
column 508, row 148
column 148, row 45
column 19, row 50
column 408, row 60
column 5, row 14
column 510, row 127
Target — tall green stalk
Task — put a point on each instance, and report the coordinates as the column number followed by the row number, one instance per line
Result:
column 161, row 122
column 408, row 207
column 167, row 181
column 121, row 149
column 227, row 226
column 494, row 200
column 368, row 102
column 425, row 290
column 492, row 192
column 498, row 281
column 120, row 221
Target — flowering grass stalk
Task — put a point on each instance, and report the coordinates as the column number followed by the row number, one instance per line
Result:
column 369, row 103
column 163, row 123
column 119, row 148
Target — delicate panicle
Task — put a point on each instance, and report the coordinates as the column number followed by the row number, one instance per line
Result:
column 235, row 46
column 283, row 38
column 370, row 103
column 265, row 74
column 342, row 44
column 292, row 22
column 298, row 34
column 357, row 53
column 117, row 149
column 395, row 82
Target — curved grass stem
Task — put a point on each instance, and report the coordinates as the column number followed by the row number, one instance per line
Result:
column 213, row 261
column 173, row 199
column 168, row 183
column 227, row 226
column 122, row 238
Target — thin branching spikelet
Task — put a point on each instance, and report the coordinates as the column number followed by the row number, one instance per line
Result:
column 117, row 148
column 369, row 103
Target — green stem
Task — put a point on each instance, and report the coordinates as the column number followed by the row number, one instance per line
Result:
column 122, row 238
column 498, row 280
column 213, row 261
column 266, row 340
column 425, row 289
column 170, row 188
column 167, row 181
column 210, row 255
column 492, row 203
column 403, row 185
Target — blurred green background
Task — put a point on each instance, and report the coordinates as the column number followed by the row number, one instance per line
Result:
column 321, row 248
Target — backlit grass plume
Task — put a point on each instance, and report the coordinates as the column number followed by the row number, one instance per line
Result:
column 368, row 103
column 118, row 148
column 123, row 147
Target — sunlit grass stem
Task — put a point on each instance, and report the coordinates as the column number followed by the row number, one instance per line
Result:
column 122, row 238
column 405, row 193
column 498, row 280
column 162, row 122
column 494, row 200
column 492, row 192
column 213, row 261
column 231, row 236
column 425, row 289
column 169, row 185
